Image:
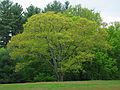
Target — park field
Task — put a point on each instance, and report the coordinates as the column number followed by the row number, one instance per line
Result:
column 73, row 85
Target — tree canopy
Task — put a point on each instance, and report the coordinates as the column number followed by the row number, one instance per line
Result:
column 62, row 41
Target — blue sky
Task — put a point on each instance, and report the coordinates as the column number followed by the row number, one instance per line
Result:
column 109, row 9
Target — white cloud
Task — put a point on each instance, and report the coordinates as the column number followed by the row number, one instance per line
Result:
column 109, row 19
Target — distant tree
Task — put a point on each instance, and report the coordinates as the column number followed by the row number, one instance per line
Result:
column 10, row 21
column 6, row 67
column 56, row 6
column 84, row 13
column 77, row 10
column 31, row 10
column 114, row 40
column 66, row 6
column 102, row 67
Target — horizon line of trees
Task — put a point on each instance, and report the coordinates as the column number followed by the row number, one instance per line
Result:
column 60, row 42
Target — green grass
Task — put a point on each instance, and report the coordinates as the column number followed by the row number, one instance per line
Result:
column 76, row 85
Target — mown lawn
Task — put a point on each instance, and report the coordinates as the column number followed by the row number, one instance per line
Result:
column 76, row 85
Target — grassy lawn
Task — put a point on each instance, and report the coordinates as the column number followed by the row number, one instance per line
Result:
column 77, row 85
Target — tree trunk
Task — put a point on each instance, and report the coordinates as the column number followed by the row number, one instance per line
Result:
column 61, row 76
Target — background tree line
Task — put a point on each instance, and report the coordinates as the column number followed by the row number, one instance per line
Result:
column 60, row 42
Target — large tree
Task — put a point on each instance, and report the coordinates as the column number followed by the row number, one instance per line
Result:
column 63, row 42
column 10, row 21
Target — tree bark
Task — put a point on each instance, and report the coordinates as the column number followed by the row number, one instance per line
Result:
column 61, row 76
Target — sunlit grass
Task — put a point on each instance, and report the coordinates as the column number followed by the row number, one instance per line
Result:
column 77, row 85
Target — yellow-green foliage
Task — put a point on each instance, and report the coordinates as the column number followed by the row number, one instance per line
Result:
column 68, row 41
